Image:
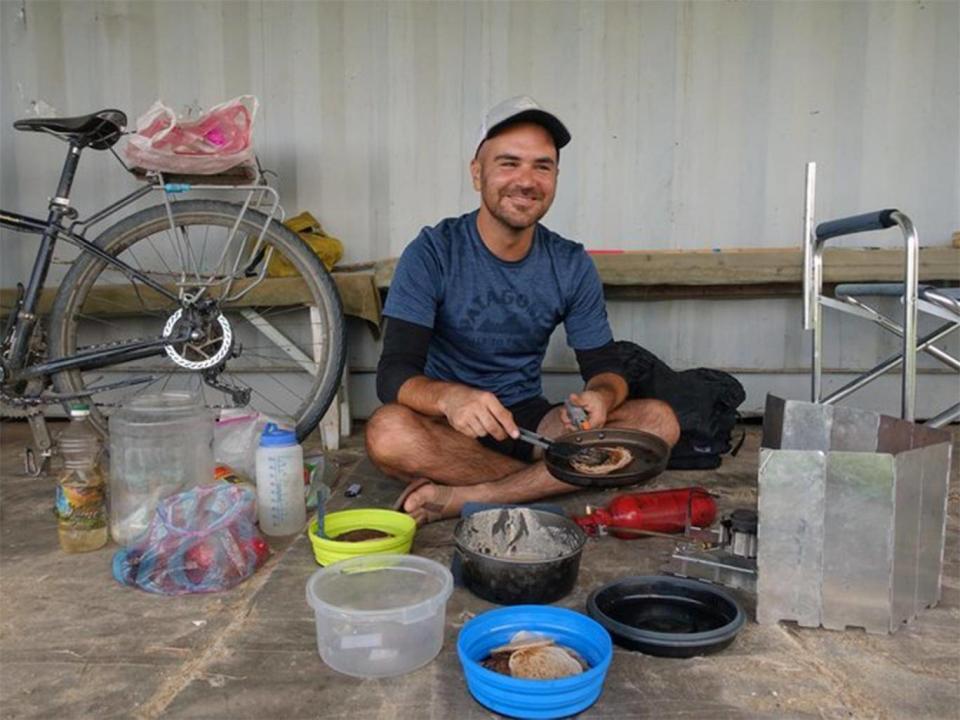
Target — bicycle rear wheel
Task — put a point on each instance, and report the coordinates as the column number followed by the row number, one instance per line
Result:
column 282, row 339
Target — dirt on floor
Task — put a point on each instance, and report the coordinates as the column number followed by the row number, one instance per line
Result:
column 76, row 644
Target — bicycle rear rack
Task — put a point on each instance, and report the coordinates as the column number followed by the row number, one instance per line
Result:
column 247, row 255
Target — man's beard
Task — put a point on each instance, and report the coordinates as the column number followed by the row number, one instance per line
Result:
column 514, row 221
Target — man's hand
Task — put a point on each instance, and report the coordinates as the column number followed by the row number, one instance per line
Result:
column 604, row 393
column 477, row 413
column 595, row 405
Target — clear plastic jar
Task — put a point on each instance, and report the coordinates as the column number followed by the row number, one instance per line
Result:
column 159, row 445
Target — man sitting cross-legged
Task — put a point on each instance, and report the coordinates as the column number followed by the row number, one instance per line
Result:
column 471, row 308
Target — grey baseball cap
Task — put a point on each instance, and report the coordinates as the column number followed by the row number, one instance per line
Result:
column 522, row 108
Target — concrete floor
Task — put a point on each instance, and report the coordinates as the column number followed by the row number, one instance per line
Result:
column 75, row 644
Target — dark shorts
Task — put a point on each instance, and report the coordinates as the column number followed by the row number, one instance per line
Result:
column 526, row 414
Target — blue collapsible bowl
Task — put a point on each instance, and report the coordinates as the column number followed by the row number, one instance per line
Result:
column 521, row 698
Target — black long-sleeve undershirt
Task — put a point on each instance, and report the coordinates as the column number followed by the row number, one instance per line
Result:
column 405, row 347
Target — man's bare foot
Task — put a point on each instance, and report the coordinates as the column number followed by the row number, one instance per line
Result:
column 431, row 502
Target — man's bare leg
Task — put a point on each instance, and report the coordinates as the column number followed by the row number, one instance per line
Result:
column 652, row 416
column 407, row 445
column 534, row 482
column 529, row 482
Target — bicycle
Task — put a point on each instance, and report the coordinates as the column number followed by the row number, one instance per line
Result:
column 212, row 279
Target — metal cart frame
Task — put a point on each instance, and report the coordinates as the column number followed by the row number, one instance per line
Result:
column 942, row 303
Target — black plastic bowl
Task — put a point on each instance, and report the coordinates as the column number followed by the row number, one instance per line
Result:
column 667, row 616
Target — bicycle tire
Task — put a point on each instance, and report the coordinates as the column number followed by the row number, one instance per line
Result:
column 147, row 223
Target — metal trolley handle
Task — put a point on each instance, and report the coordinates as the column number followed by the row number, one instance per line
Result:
column 814, row 240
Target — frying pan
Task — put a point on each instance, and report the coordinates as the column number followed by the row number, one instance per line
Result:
column 650, row 456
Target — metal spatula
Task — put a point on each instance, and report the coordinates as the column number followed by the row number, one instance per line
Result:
column 565, row 450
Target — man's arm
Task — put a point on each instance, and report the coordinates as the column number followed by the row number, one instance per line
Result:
column 606, row 387
column 404, row 355
column 611, row 387
column 400, row 379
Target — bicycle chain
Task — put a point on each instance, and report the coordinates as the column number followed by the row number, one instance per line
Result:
column 18, row 406
column 18, row 402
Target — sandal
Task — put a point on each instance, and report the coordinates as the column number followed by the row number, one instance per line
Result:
column 407, row 491
column 430, row 511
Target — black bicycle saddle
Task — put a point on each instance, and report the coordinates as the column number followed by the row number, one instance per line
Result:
column 99, row 130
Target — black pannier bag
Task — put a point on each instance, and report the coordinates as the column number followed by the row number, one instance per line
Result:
column 704, row 400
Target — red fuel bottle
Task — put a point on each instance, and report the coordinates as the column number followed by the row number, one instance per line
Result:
column 664, row 511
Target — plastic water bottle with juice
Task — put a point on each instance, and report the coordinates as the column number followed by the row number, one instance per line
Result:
column 81, row 490
column 281, row 508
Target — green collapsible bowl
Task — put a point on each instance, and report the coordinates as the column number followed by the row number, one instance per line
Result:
column 400, row 526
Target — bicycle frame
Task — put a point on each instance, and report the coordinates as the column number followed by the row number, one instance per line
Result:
column 24, row 313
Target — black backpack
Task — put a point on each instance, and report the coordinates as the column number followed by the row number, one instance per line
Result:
column 704, row 400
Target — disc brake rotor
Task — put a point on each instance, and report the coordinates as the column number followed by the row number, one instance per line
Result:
column 206, row 352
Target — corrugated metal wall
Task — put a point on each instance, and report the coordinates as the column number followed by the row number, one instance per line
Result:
column 691, row 125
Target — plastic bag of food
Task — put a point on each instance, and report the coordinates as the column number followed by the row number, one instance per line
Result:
column 236, row 435
column 215, row 141
column 200, row 541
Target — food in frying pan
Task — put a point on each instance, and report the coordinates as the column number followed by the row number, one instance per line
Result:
column 601, row 460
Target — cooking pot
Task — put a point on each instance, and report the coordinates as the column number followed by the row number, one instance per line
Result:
column 519, row 555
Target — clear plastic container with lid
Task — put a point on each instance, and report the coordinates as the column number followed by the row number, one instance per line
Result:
column 160, row 445
column 380, row 615
column 281, row 505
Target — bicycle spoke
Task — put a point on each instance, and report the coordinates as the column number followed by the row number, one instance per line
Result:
column 136, row 290
column 284, row 311
column 126, row 308
column 160, row 256
column 283, row 411
column 203, row 250
column 290, row 363
column 286, row 387
column 172, row 241
column 98, row 320
column 136, row 260
column 285, row 366
column 136, row 390
column 188, row 246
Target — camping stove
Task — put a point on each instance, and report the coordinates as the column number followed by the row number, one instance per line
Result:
column 726, row 557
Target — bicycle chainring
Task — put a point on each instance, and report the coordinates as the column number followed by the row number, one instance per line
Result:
column 22, row 400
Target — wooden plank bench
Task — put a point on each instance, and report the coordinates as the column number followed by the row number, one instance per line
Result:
column 640, row 275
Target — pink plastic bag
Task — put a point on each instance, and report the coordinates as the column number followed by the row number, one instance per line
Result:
column 217, row 140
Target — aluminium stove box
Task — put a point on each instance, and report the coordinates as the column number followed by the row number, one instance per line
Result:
column 852, row 513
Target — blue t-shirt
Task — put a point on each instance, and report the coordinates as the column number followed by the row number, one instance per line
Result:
column 492, row 319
